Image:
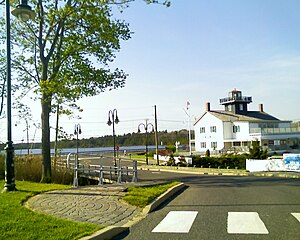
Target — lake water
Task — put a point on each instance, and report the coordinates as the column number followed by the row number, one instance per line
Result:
column 66, row 151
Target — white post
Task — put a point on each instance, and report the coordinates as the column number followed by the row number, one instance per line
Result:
column 134, row 170
column 101, row 177
column 75, row 183
column 119, row 172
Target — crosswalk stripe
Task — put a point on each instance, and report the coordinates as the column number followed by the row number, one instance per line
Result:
column 237, row 222
column 296, row 215
column 245, row 223
column 176, row 222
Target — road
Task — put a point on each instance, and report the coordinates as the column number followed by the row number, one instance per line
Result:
column 219, row 207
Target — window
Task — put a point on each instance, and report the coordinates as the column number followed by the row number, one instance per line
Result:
column 203, row 144
column 213, row 145
column 202, row 129
column 213, row 129
column 228, row 108
column 236, row 144
column 241, row 107
column 236, row 129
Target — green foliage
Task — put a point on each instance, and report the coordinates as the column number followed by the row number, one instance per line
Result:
column 256, row 151
column 18, row 222
column 129, row 139
column 171, row 161
column 65, row 54
column 171, row 148
column 207, row 153
column 228, row 161
column 141, row 196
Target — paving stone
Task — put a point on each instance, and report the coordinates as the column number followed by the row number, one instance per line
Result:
column 98, row 205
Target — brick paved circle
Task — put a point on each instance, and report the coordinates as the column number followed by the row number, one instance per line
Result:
column 85, row 205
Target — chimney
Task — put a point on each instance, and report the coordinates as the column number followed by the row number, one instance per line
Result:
column 261, row 107
column 207, row 106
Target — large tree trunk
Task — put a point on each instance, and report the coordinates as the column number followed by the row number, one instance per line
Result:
column 46, row 168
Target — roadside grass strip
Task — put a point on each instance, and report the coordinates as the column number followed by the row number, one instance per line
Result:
column 245, row 223
column 141, row 196
column 19, row 222
column 173, row 222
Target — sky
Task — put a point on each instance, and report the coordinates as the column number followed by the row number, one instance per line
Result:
column 196, row 51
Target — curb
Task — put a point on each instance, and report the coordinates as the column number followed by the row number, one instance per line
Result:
column 105, row 233
column 112, row 231
column 246, row 174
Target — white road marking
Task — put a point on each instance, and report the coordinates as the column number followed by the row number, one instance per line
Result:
column 245, row 223
column 296, row 215
column 176, row 222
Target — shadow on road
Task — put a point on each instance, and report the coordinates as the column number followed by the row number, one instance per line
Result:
column 217, row 181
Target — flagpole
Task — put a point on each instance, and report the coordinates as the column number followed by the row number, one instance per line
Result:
column 189, row 115
column 190, row 141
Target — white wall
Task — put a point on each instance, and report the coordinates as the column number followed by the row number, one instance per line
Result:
column 290, row 162
column 242, row 135
column 207, row 121
column 228, row 134
column 254, row 165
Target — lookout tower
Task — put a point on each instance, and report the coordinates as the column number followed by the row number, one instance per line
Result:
column 236, row 102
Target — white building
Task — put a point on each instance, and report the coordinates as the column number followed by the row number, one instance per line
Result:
column 235, row 128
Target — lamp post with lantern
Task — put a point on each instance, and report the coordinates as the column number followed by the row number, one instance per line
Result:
column 146, row 127
column 112, row 120
column 23, row 12
column 77, row 131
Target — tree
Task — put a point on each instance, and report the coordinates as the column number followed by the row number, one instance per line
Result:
column 256, row 151
column 65, row 53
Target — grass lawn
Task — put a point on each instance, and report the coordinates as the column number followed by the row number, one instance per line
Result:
column 142, row 196
column 18, row 222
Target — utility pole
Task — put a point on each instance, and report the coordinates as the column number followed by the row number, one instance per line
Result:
column 156, row 135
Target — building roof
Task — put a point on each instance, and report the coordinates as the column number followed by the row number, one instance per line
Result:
column 250, row 116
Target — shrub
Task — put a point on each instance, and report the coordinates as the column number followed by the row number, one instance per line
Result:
column 231, row 161
column 256, row 151
column 207, row 153
column 150, row 153
column 171, row 148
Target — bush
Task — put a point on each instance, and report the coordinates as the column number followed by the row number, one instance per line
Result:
column 171, row 161
column 150, row 153
column 171, row 148
column 256, row 151
column 227, row 161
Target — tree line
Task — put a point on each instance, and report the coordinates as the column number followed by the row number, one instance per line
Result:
column 129, row 139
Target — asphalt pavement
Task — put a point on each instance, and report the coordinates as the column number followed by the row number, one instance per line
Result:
column 227, row 208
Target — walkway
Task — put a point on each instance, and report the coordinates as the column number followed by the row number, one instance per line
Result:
column 99, row 205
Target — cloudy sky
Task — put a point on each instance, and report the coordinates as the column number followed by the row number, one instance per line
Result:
column 196, row 51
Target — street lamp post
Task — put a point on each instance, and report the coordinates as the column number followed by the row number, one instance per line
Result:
column 146, row 126
column 24, row 12
column 112, row 120
column 77, row 131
